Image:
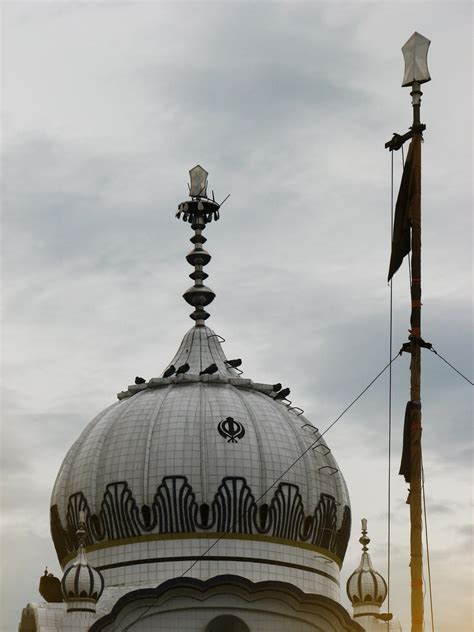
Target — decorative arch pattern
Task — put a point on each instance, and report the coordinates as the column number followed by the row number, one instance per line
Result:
column 174, row 509
column 325, row 613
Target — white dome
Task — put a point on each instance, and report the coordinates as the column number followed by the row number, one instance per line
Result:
column 81, row 581
column 193, row 455
column 366, row 586
column 82, row 585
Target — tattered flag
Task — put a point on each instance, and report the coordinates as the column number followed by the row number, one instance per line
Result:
column 408, row 197
column 412, row 413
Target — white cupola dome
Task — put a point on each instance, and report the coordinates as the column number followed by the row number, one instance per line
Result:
column 367, row 590
column 366, row 585
column 82, row 585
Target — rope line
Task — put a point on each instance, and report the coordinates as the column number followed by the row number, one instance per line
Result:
column 237, row 521
column 453, row 367
column 427, row 549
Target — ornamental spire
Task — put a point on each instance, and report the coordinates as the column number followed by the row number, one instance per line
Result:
column 81, row 538
column 364, row 539
column 199, row 211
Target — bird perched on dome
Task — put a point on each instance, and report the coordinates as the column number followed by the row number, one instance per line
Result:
column 283, row 394
column 234, row 363
column 169, row 371
column 184, row 368
column 140, row 380
column 210, row 370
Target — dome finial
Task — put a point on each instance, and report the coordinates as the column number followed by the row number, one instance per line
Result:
column 81, row 538
column 81, row 530
column 199, row 211
column 364, row 539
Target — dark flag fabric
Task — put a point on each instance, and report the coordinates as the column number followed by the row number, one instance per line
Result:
column 406, row 452
column 408, row 197
column 411, row 409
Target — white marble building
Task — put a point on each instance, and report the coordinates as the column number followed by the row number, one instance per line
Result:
column 202, row 501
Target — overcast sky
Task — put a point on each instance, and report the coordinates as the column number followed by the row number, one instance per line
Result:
column 106, row 106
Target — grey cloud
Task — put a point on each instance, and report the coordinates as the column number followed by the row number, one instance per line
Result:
column 288, row 106
column 58, row 206
column 467, row 531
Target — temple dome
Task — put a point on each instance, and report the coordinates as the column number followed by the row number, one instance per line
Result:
column 165, row 459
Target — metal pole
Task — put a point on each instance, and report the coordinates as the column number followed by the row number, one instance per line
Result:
column 415, row 53
column 416, row 544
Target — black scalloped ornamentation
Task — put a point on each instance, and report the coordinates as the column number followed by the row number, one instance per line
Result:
column 174, row 509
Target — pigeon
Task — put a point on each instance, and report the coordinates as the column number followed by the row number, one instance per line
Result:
column 276, row 387
column 212, row 368
column 140, row 380
column 234, row 363
column 282, row 394
column 169, row 371
column 184, row 368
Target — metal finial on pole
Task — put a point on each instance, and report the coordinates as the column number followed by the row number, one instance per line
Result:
column 199, row 211
column 364, row 539
column 415, row 54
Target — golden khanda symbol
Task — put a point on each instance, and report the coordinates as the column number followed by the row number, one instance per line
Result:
column 231, row 430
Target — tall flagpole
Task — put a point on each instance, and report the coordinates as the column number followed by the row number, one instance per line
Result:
column 416, row 527
column 415, row 52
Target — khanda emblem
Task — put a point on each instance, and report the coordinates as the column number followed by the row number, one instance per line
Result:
column 231, row 430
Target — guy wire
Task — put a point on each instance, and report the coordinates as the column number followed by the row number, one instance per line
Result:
column 452, row 366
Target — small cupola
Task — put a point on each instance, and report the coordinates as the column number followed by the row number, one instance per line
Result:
column 365, row 585
column 82, row 584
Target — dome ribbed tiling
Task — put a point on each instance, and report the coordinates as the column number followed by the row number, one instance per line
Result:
column 199, row 349
column 82, row 581
column 192, row 454
column 366, row 585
